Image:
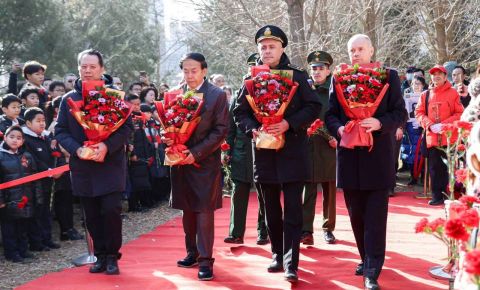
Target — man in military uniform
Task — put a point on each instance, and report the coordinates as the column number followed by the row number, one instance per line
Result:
column 322, row 149
column 284, row 169
column 241, row 167
column 366, row 174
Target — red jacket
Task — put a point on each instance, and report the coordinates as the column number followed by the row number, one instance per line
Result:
column 443, row 107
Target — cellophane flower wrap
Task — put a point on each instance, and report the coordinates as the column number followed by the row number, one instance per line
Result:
column 101, row 112
column 179, row 115
column 269, row 93
column 360, row 89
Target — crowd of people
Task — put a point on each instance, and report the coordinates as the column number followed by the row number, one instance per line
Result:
column 410, row 119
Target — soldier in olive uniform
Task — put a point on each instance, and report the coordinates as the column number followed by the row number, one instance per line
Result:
column 241, row 166
column 284, row 169
column 322, row 149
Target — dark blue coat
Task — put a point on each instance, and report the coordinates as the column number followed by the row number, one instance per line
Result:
column 90, row 178
column 358, row 168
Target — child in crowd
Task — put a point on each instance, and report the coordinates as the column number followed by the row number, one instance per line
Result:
column 159, row 174
column 34, row 74
column 38, row 143
column 17, row 203
column 30, row 98
column 141, row 152
column 11, row 107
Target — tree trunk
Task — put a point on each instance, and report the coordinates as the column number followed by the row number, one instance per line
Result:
column 297, row 40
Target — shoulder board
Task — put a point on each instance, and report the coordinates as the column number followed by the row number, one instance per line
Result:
column 295, row 67
column 247, row 76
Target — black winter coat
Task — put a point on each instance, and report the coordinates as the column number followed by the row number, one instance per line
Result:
column 41, row 151
column 199, row 189
column 14, row 166
column 6, row 123
column 143, row 150
column 358, row 168
column 289, row 164
column 90, row 178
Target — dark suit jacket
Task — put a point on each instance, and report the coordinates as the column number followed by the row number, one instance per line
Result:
column 289, row 164
column 358, row 168
column 90, row 178
column 199, row 189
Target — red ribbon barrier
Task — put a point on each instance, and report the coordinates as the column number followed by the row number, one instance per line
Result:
column 36, row 176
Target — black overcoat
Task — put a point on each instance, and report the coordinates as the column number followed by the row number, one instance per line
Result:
column 358, row 168
column 90, row 178
column 199, row 189
column 288, row 164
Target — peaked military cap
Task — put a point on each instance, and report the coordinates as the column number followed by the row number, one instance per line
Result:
column 252, row 59
column 271, row 32
column 319, row 58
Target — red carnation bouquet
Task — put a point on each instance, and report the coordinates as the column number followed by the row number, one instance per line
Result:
column 360, row 89
column 269, row 93
column 101, row 112
column 179, row 116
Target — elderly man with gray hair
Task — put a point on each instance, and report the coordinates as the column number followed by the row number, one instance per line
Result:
column 367, row 173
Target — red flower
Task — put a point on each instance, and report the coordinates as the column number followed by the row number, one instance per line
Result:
column 461, row 175
column 456, row 209
column 463, row 125
column 23, row 202
column 436, row 224
column 470, row 218
column 468, row 200
column 455, row 229
column 225, row 146
column 448, row 128
column 472, row 262
column 421, row 225
column 56, row 154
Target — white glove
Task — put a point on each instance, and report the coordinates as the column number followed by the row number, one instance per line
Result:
column 436, row 128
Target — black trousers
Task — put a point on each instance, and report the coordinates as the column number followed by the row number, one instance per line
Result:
column 14, row 237
column 284, row 229
column 368, row 210
column 438, row 172
column 63, row 205
column 40, row 226
column 102, row 216
column 199, row 235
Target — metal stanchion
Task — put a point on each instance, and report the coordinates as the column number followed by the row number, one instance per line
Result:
column 89, row 257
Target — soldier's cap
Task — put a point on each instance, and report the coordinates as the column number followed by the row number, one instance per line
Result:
column 437, row 68
column 252, row 59
column 271, row 32
column 319, row 58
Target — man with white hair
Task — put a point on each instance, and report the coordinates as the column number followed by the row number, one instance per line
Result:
column 366, row 174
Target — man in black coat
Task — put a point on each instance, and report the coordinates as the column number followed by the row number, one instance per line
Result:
column 366, row 176
column 196, row 188
column 284, row 169
column 99, row 182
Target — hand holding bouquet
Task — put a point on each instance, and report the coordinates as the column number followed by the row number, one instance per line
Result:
column 269, row 93
column 179, row 116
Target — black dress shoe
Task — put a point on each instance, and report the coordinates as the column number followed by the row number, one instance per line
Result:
column 187, row 262
column 371, row 284
column 436, row 202
column 329, row 237
column 307, row 238
column 205, row 273
column 275, row 266
column 359, row 270
column 233, row 240
column 70, row 235
column 112, row 265
column 261, row 240
column 39, row 248
column 291, row 276
column 99, row 266
column 27, row 255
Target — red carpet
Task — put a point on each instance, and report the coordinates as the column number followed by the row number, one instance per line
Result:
column 150, row 261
